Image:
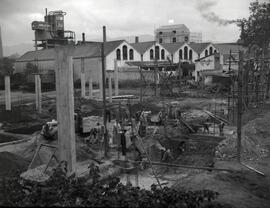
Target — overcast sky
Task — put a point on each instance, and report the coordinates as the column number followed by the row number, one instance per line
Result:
column 123, row 17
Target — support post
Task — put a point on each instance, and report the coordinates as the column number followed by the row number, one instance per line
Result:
column 38, row 93
column 110, row 88
column 106, row 143
column 116, row 78
column 65, row 108
column 239, row 106
column 82, row 78
column 7, row 93
column 90, row 86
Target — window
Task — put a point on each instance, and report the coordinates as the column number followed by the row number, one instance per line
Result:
column 186, row 38
column 160, row 33
column 151, row 54
column 118, row 54
column 206, row 52
column 124, row 52
column 174, row 31
column 186, row 52
column 180, row 54
column 157, row 52
column 215, row 51
column 210, row 50
column 174, row 40
column 162, row 54
column 190, row 54
column 131, row 54
column 160, row 40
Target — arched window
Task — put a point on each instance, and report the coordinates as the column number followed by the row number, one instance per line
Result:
column 125, row 52
column 118, row 54
column 162, row 54
column 131, row 54
column 157, row 52
column 215, row 51
column 186, row 52
column 190, row 54
column 180, row 54
column 210, row 50
column 151, row 54
column 206, row 52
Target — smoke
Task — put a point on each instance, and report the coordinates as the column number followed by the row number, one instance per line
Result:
column 205, row 6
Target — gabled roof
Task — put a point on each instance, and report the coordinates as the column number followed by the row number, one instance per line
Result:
column 199, row 47
column 141, row 47
column 172, row 47
column 89, row 49
column 225, row 48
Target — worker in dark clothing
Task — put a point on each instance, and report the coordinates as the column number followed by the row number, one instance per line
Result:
column 123, row 141
column 221, row 126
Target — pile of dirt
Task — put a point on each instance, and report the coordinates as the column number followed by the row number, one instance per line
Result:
column 11, row 164
column 255, row 140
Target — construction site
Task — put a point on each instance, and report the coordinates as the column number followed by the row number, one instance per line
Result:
column 171, row 132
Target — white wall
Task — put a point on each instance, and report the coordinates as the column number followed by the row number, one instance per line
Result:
column 207, row 63
column 202, row 54
column 176, row 54
column 112, row 56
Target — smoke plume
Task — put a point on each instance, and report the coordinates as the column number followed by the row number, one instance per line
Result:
column 204, row 7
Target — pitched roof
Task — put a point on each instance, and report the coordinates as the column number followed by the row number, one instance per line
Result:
column 199, row 47
column 90, row 49
column 225, row 48
column 172, row 47
column 141, row 47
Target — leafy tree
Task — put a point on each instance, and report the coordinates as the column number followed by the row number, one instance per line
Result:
column 255, row 30
column 6, row 66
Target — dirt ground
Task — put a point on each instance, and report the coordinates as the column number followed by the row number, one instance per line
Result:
column 240, row 188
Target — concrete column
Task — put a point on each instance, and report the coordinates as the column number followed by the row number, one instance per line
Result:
column 38, row 93
column 90, row 87
column 116, row 78
column 82, row 78
column 65, row 108
column 110, row 88
column 7, row 93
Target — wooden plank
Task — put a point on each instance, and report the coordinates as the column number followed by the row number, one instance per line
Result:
column 7, row 93
column 65, row 107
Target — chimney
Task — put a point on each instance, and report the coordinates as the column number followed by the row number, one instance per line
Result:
column 136, row 39
column 83, row 37
column 1, row 46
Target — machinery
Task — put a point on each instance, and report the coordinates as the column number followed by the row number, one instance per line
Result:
column 51, row 32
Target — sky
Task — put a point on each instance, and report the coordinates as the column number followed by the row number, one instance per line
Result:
column 124, row 17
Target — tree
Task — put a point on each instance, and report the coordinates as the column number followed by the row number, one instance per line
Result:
column 255, row 30
column 6, row 66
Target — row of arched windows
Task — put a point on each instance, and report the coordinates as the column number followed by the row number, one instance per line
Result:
column 210, row 51
column 158, row 54
column 125, row 53
column 187, row 54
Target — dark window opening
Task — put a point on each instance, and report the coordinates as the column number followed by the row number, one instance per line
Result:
column 151, row 54
column 125, row 52
column 186, row 52
column 174, row 31
column 206, row 53
column 174, row 40
column 215, row 51
column 131, row 54
column 118, row 54
column 160, row 40
column 157, row 52
column 180, row 54
column 190, row 54
column 211, row 50
column 160, row 33
column 162, row 54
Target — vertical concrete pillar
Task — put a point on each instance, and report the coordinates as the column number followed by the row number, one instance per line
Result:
column 82, row 78
column 116, row 78
column 110, row 88
column 7, row 93
column 38, row 93
column 65, row 108
column 90, row 87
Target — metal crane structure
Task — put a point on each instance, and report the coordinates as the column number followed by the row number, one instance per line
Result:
column 51, row 32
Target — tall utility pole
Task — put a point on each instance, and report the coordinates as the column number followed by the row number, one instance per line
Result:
column 106, row 145
column 239, row 105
